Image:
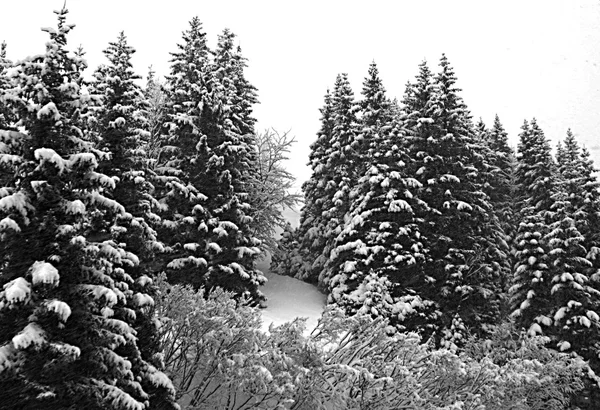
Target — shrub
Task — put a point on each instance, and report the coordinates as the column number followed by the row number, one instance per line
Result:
column 218, row 357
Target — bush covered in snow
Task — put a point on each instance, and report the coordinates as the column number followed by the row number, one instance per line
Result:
column 218, row 358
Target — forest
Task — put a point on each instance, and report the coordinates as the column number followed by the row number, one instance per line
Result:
column 461, row 272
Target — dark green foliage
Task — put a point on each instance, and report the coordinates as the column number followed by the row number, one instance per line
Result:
column 313, row 223
column 118, row 124
column 459, row 228
column 377, row 259
column 65, row 309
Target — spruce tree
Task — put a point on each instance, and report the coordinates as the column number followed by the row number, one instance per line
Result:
column 227, row 149
column 377, row 261
column 589, row 204
column 179, row 167
column 459, row 227
column 573, row 239
column 535, row 170
column 312, row 229
column 343, row 160
column 375, row 112
column 65, row 323
column 530, row 290
column 118, row 125
column 498, row 176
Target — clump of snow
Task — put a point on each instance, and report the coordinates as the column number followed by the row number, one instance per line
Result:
column 15, row 202
column 6, row 352
column 141, row 299
column 49, row 111
column 144, row 280
column 59, row 307
column 43, row 273
column 49, row 155
column 31, row 335
column 564, row 345
column 399, row 205
column 8, row 223
column 75, row 207
column 17, row 290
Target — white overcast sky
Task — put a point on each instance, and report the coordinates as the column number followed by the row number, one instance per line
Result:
column 519, row 59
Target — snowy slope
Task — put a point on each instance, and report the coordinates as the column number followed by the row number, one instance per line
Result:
column 289, row 298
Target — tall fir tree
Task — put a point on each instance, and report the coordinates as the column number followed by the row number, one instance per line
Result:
column 590, row 205
column 376, row 114
column 66, row 333
column 184, row 227
column 337, row 170
column 459, row 228
column 498, row 165
column 376, row 264
column 118, row 122
column 573, row 239
column 312, row 229
column 530, row 290
column 228, row 150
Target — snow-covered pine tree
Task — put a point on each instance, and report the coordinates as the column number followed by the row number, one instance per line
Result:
column 335, row 164
column 577, row 173
column 376, row 264
column 4, row 65
column 118, row 123
column 312, row 229
column 590, row 205
column 5, row 119
column 573, row 241
column 179, row 165
column 286, row 258
column 574, row 305
column 375, row 116
column 536, row 169
column 63, row 339
column 531, row 282
column 496, row 170
column 503, row 159
column 227, row 150
column 459, row 226
column 344, row 161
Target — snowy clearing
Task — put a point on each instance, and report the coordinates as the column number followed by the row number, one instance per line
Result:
column 289, row 298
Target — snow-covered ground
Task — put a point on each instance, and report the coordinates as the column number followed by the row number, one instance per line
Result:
column 289, row 298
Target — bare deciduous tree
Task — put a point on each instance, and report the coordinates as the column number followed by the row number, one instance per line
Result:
column 271, row 187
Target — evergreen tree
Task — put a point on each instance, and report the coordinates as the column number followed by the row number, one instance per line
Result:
column 286, row 258
column 179, row 168
column 343, row 160
column 4, row 64
column 378, row 257
column 577, row 174
column 65, row 323
column 574, row 243
column 575, row 304
column 375, row 112
column 530, row 290
column 312, row 229
column 535, row 170
column 498, row 163
column 459, row 228
column 336, row 168
column 589, row 204
column 118, row 122
column 5, row 117
column 227, row 149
